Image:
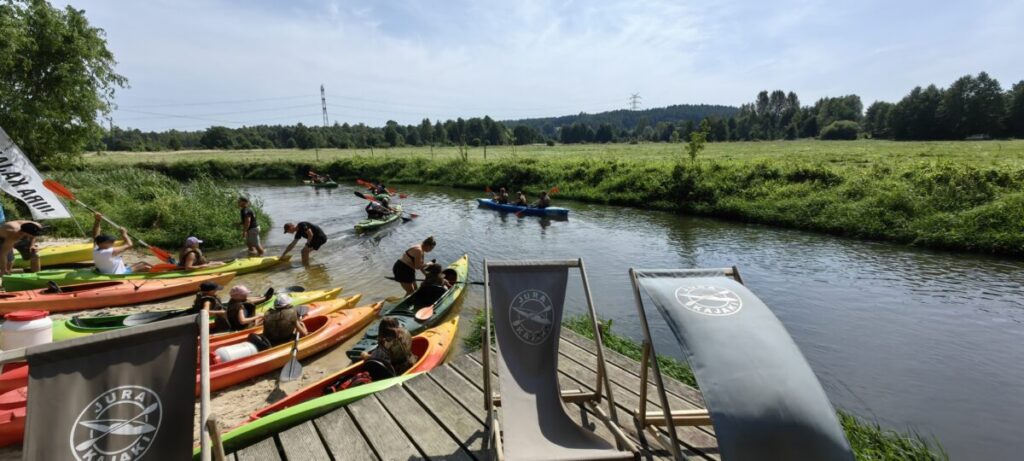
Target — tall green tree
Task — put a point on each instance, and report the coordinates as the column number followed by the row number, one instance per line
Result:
column 876, row 120
column 1015, row 111
column 56, row 76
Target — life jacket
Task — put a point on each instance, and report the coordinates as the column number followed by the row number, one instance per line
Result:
column 197, row 305
column 279, row 325
column 232, row 309
column 200, row 259
column 384, row 199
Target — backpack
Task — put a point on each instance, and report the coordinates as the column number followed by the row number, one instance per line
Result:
column 261, row 342
column 348, row 382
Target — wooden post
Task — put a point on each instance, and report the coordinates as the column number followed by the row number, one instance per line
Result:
column 218, row 447
column 204, row 383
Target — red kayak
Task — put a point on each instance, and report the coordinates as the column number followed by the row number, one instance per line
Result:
column 110, row 293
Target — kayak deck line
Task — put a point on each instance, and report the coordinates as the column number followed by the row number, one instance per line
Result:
column 440, row 413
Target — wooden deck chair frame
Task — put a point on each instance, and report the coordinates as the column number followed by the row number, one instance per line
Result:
column 651, row 420
column 592, row 400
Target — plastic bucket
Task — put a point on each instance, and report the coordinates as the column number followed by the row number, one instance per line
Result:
column 26, row 328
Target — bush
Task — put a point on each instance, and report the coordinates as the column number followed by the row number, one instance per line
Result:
column 550, row 143
column 842, row 130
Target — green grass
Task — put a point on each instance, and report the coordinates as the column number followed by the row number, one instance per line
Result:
column 160, row 210
column 966, row 196
column 869, row 441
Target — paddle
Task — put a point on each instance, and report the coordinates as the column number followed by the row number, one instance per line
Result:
column 420, row 280
column 554, row 190
column 59, row 189
column 371, row 186
column 404, row 219
column 113, row 429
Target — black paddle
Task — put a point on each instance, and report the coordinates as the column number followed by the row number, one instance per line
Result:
column 404, row 219
column 421, row 280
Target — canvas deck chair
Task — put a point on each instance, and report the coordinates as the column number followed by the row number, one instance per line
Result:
column 523, row 304
column 762, row 397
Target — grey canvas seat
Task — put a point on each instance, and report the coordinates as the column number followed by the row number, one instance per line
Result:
column 524, row 303
column 762, row 397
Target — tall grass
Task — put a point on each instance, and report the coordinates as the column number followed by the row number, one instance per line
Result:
column 151, row 205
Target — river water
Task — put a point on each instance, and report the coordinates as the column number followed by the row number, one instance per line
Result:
column 916, row 339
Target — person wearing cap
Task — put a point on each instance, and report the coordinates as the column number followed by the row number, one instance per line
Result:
column 107, row 257
column 191, row 257
column 240, row 313
column 207, row 300
column 250, row 227
column 314, row 235
column 20, row 236
column 281, row 322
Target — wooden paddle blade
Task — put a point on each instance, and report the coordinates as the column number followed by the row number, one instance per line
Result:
column 164, row 267
column 425, row 314
column 58, row 188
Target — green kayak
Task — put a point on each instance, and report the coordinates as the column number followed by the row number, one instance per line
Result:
column 257, row 430
column 405, row 312
column 76, row 327
column 35, row 280
column 371, row 224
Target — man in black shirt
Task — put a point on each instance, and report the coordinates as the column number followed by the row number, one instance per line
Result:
column 250, row 228
column 314, row 235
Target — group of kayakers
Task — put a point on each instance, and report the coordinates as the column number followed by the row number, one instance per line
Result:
column 280, row 323
column 502, row 197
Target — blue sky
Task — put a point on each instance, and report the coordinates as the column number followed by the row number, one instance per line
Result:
column 193, row 63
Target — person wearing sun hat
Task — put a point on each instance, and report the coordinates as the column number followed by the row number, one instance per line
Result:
column 191, row 257
column 241, row 311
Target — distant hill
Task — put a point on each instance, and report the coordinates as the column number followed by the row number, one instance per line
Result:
column 627, row 119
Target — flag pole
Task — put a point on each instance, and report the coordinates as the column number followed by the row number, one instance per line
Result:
column 204, row 383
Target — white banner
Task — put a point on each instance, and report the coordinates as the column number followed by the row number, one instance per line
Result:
column 20, row 179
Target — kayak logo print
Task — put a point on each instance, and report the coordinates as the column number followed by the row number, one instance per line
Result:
column 709, row 300
column 119, row 424
column 530, row 315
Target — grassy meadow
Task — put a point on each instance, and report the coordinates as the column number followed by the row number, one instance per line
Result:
column 966, row 196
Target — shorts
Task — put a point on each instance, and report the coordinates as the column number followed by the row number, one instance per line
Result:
column 403, row 273
column 23, row 247
column 252, row 237
column 317, row 242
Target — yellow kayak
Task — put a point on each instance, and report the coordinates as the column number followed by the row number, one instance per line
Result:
column 60, row 255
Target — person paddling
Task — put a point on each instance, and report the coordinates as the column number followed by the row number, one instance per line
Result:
column 544, row 201
column 191, row 257
column 502, row 196
column 250, row 227
column 314, row 235
column 412, row 260
column 381, row 208
column 521, row 199
column 107, row 257
column 20, row 236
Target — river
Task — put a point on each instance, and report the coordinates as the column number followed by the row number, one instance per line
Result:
column 915, row 339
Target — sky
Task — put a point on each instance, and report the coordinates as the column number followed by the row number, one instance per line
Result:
column 196, row 63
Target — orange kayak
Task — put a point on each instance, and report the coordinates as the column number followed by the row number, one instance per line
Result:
column 324, row 332
column 106, row 294
column 12, row 416
column 431, row 346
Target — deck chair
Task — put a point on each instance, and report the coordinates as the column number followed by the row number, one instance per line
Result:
column 762, row 397
column 523, row 303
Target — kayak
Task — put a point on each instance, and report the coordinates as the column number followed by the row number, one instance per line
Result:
column 431, row 346
column 15, row 374
column 324, row 332
column 60, row 255
column 325, row 185
column 551, row 211
column 106, row 294
column 371, row 224
column 34, row 280
column 405, row 311
column 83, row 326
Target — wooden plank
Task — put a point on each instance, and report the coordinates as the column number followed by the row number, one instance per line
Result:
column 460, row 423
column 380, row 430
column 302, row 443
column 265, row 450
column 420, row 425
column 342, row 436
column 633, row 366
column 462, row 390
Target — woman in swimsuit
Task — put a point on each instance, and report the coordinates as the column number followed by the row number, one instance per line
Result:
column 412, row 260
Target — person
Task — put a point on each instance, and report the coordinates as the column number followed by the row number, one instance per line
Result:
column 405, row 268
column 282, row 322
column 207, row 300
column 380, row 188
column 379, row 209
column 191, row 257
column 240, row 312
column 107, row 257
column 315, row 238
column 394, row 346
column 450, row 277
column 250, row 227
column 432, row 288
column 20, row 236
column 544, row 201
column 502, row 196
column 521, row 199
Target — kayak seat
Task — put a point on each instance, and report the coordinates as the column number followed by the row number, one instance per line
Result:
column 378, row 369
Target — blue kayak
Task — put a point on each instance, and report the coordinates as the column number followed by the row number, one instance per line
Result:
column 552, row 211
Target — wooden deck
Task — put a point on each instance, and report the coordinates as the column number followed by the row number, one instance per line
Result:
column 440, row 415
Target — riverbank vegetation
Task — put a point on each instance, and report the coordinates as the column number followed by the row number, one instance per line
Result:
column 154, row 207
column 966, row 196
column 870, row 442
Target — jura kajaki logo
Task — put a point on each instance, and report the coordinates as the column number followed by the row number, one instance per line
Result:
column 709, row 300
column 120, row 424
column 531, row 315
